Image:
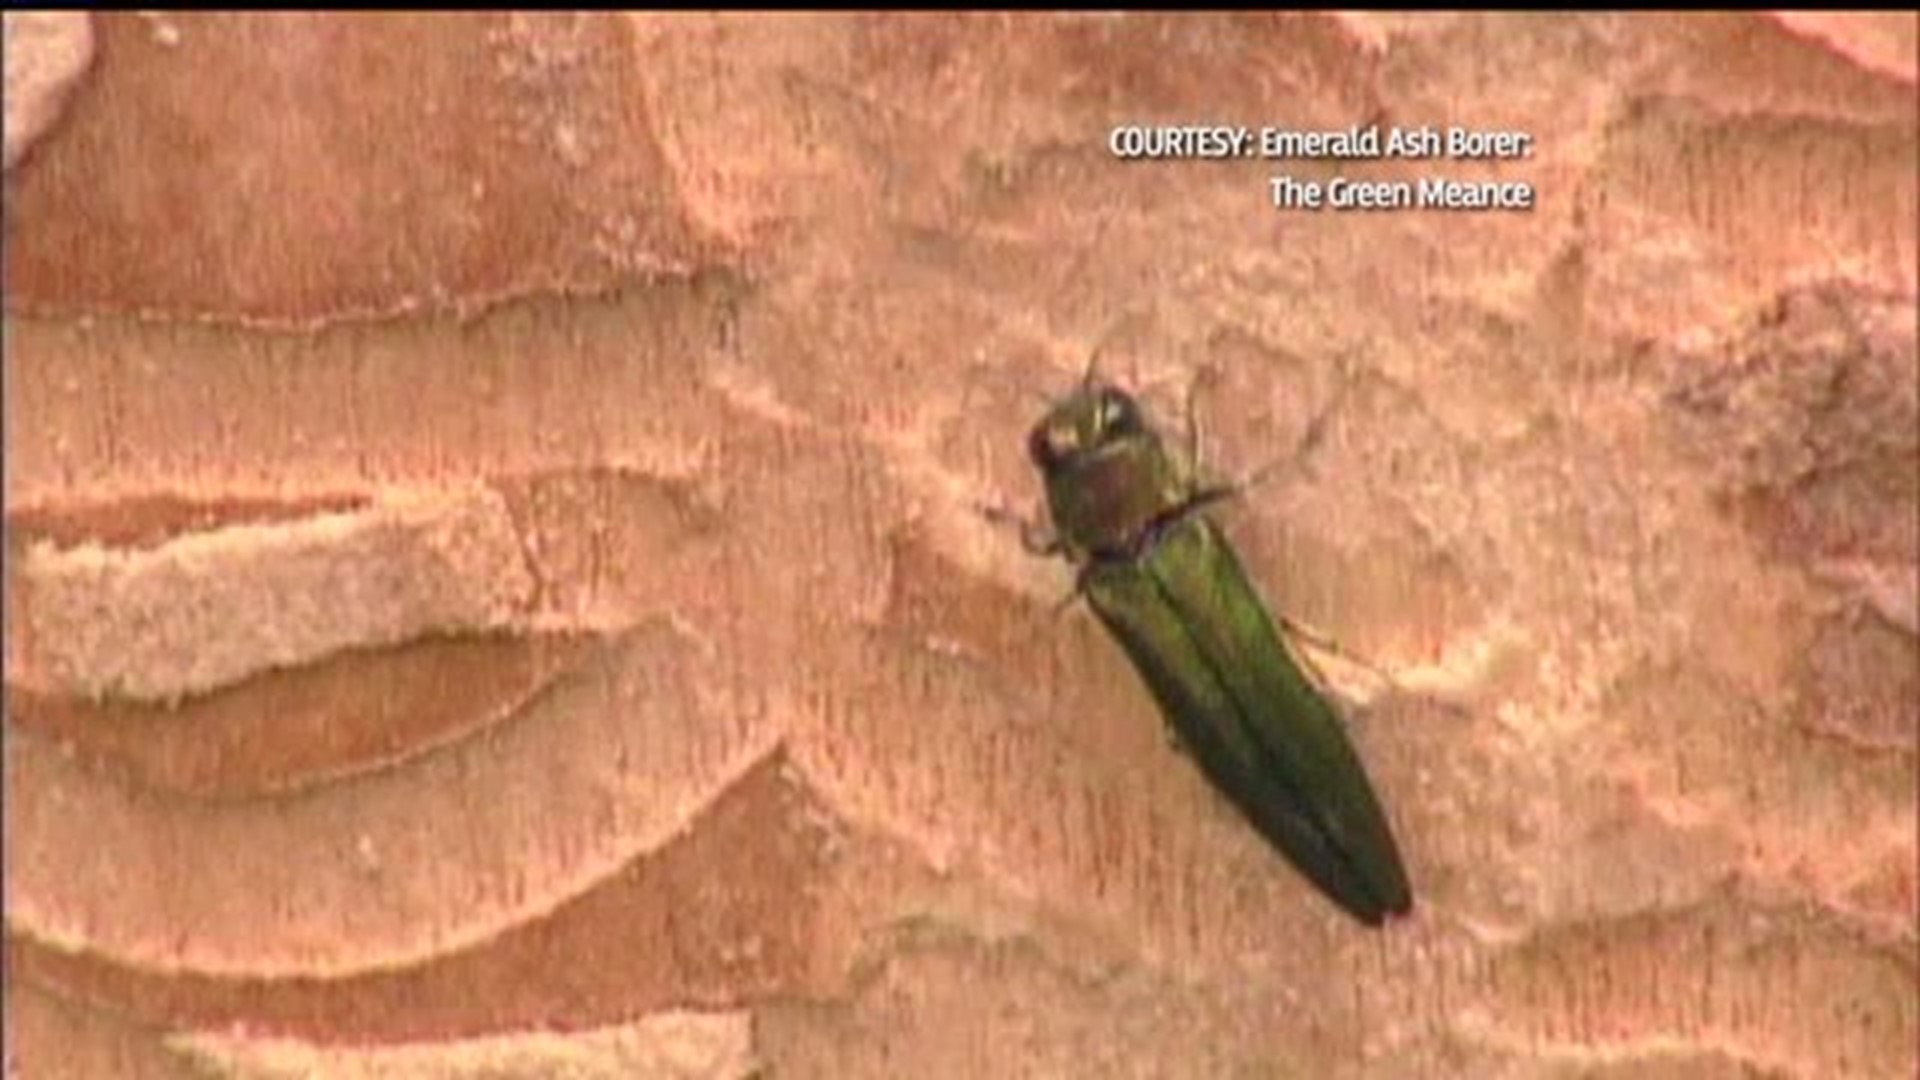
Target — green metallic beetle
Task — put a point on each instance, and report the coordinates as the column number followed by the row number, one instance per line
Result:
column 1169, row 587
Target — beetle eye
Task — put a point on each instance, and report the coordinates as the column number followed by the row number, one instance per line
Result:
column 1039, row 448
column 1050, row 443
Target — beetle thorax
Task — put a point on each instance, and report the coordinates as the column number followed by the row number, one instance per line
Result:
column 1104, row 500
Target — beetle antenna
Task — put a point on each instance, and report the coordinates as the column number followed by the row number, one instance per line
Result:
column 1119, row 333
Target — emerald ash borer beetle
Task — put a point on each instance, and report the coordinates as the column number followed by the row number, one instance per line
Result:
column 1165, row 582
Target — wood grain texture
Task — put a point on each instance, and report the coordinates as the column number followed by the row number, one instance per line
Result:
column 47, row 53
column 495, row 583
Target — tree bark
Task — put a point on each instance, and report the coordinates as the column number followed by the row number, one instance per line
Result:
column 497, row 581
